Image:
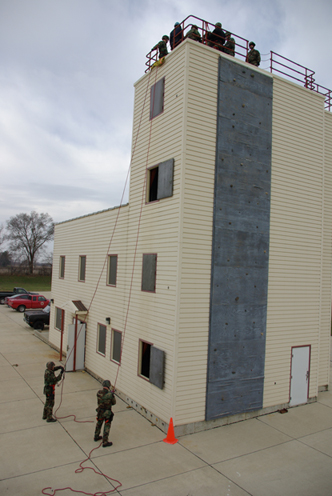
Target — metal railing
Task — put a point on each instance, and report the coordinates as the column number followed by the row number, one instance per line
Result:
column 278, row 64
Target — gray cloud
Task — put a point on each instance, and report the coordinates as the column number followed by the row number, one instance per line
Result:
column 66, row 86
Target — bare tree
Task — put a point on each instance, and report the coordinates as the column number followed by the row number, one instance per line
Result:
column 2, row 236
column 28, row 233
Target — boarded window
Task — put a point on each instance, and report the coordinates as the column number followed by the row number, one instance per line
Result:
column 149, row 272
column 59, row 318
column 116, row 346
column 112, row 267
column 152, row 364
column 62, row 267
column 157, row 98
column 160, row 181
column 101, row 339
column 82, row 267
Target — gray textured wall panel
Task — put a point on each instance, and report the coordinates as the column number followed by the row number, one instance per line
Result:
column 240, row 250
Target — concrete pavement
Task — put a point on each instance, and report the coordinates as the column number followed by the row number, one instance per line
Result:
column 278, row 454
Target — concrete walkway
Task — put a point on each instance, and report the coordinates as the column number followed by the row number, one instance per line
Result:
column 278, row 454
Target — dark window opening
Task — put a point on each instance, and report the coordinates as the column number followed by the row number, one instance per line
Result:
column 62, row 267
column 160, row 181
column 112, row 268
column 101, row 339
column 59, row 317
column 82, row 266
column 145, row 359
column 149, row 272
column 153, row 186
column 116, row 346
column 157, row 98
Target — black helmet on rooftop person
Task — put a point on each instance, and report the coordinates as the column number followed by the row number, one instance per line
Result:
column 106, row 384
column 176, row 24
column 218, row 25
column 252, row 43
column 165, row 36
column 50, row 365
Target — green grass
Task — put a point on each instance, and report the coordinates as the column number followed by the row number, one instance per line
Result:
column 30, row 283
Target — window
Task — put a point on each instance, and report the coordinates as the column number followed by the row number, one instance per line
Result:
column 111, row 270
column 157, row 98
column 82, row 265
column 62, row 267
column 144, row 363
column 149, row 272
column 101, row 339
column 151, row 364
column 59, row 318
column 160, row 181
column 41, row 298
column 116, row 346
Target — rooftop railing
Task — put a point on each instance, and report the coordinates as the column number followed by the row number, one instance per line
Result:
column 278, row 64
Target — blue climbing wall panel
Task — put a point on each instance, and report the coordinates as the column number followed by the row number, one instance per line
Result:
column 240, row 250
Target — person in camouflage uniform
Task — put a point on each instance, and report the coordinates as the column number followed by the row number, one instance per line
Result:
column 193, row 34
column 216, row 39
column 106, row 399
column 229, row 47
column 162, row 46
column 253, row 57
column 50, row 380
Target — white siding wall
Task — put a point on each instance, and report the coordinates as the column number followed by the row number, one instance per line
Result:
column 296, row 237
column 195, row 236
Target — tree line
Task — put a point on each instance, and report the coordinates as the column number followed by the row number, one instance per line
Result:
column 26, row 236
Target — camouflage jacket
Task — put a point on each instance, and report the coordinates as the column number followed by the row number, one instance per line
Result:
column 162, row 48
column 193, row 34
column 254, row 57
column 230, row 47
column 50, row 380
column 105, row 400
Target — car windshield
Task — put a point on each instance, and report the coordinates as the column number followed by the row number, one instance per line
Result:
column 47, row 309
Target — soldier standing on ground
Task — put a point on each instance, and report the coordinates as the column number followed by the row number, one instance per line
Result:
column 229, row 47
column 162, row 46
column 253, row 57
column 106, row 399
column 50, row 380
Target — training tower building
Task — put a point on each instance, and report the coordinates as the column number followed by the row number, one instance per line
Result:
column 207, row 298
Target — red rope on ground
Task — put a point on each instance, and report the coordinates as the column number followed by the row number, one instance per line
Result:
column 78, row 471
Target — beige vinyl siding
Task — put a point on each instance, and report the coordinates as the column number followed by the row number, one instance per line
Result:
column 195, row 237
column 325, row 335
column 296, row 236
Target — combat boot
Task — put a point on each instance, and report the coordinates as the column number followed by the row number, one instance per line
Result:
column 98, row 438
column 105, row 445
column 52, row 419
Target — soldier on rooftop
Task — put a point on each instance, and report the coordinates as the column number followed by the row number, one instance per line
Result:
column 162, row 46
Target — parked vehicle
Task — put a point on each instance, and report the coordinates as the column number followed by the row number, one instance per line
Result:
column 27, row 301
column 37, row 318
column 4, row 294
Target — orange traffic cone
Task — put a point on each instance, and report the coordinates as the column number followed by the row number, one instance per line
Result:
column 170, row 438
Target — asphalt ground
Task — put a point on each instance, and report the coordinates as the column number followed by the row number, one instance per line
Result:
column 277, row 454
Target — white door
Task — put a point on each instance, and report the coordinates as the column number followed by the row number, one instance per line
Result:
column 75, row 354
column 299, row 387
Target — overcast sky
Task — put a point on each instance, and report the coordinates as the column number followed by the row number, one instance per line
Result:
column 66, row 86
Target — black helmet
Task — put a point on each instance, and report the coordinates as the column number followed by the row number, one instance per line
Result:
column 106, row 384
column 252, row 43
column 50, row 365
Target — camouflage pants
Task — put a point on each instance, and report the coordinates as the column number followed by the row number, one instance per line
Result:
column 48, row 407
column 107, row 418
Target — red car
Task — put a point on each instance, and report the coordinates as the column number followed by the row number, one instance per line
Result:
column 26, row 301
